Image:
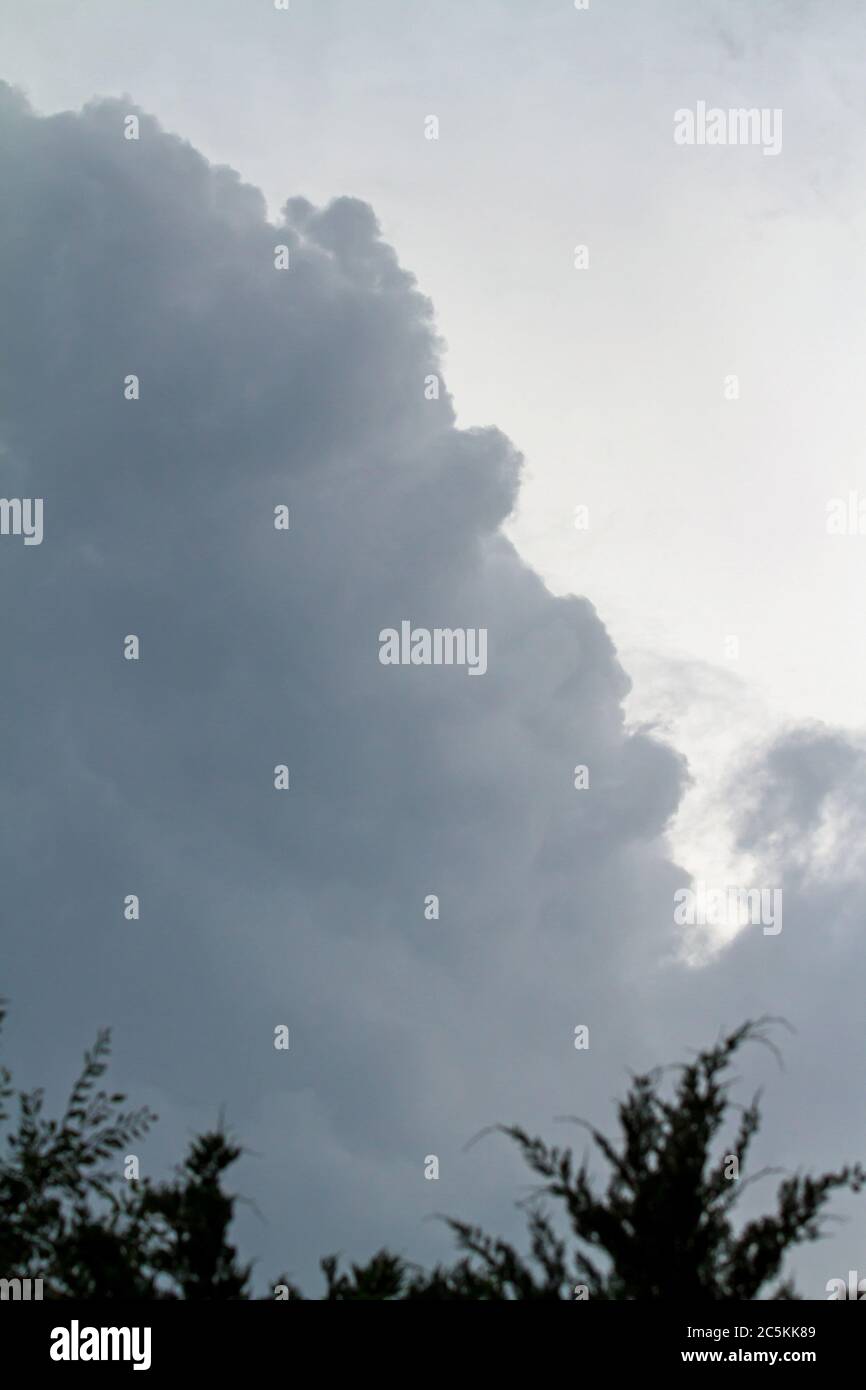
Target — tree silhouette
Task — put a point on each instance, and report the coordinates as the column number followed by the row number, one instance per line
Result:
column 662, row 1228
column 68, row 1217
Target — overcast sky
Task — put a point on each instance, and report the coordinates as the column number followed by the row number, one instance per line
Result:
column 728, row 761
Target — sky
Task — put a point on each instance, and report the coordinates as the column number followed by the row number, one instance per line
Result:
column 696, row 646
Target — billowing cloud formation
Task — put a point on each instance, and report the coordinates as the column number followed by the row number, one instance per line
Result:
column 259, row 647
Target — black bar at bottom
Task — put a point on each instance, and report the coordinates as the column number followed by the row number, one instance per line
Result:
column 158, row 1339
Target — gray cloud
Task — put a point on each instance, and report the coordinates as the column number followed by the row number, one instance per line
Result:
column 303, row 387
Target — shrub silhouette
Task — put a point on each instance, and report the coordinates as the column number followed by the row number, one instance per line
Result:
column 662, row 1228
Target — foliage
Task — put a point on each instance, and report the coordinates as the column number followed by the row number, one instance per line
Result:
column 662, row 1229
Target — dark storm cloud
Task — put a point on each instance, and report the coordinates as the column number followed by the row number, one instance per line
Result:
column 258, row 647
